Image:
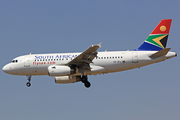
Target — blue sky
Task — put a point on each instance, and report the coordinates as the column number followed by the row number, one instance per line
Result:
column 34, row 26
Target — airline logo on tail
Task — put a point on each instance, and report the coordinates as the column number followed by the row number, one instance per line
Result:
column 158, row 38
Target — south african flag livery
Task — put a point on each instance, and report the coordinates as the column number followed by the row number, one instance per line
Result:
column 158, row 38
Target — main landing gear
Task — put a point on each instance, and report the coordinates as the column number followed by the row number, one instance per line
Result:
column 29, row 79
column 84, row 80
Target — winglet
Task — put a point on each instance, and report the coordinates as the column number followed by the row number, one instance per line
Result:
column 160, row 53
column 99, row 44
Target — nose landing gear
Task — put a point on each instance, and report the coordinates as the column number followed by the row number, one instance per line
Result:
column 29, row 79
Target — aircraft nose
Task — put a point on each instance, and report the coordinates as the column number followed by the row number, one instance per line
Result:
column 5, row 69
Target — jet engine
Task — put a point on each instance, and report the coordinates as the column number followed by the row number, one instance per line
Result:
column 67, row 79
column 57, row 70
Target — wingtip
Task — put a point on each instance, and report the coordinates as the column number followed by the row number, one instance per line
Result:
column 99, row 44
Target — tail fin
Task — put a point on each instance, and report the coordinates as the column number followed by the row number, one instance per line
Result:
column 157, row 40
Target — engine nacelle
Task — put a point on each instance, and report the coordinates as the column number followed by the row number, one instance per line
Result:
column 57, row 70
column 67, row 79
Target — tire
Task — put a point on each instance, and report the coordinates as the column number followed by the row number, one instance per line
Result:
column 87, row 84
column 28, row 84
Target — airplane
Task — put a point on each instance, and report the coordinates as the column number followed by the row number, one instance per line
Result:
column 75, row 67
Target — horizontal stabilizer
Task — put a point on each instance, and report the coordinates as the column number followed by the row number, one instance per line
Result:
column 160, row 53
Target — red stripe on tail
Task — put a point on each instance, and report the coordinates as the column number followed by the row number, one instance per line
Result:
column 163, row 27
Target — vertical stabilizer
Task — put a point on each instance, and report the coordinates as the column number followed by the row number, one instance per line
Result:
column 157, row 40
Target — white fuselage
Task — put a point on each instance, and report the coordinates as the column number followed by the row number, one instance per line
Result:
column 106, row 62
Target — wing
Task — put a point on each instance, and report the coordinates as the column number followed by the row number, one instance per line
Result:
column 86, row 57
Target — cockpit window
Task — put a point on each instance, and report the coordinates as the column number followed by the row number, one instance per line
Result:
column 14, row 61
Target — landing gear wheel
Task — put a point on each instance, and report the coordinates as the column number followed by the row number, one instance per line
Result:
column 28, row 84
column 87, row 84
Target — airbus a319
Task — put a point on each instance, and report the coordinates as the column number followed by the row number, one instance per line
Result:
column 75, row 67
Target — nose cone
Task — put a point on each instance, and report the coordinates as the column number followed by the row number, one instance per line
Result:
column 5, row 69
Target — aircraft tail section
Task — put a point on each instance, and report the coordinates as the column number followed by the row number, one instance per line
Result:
column 157, row 40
